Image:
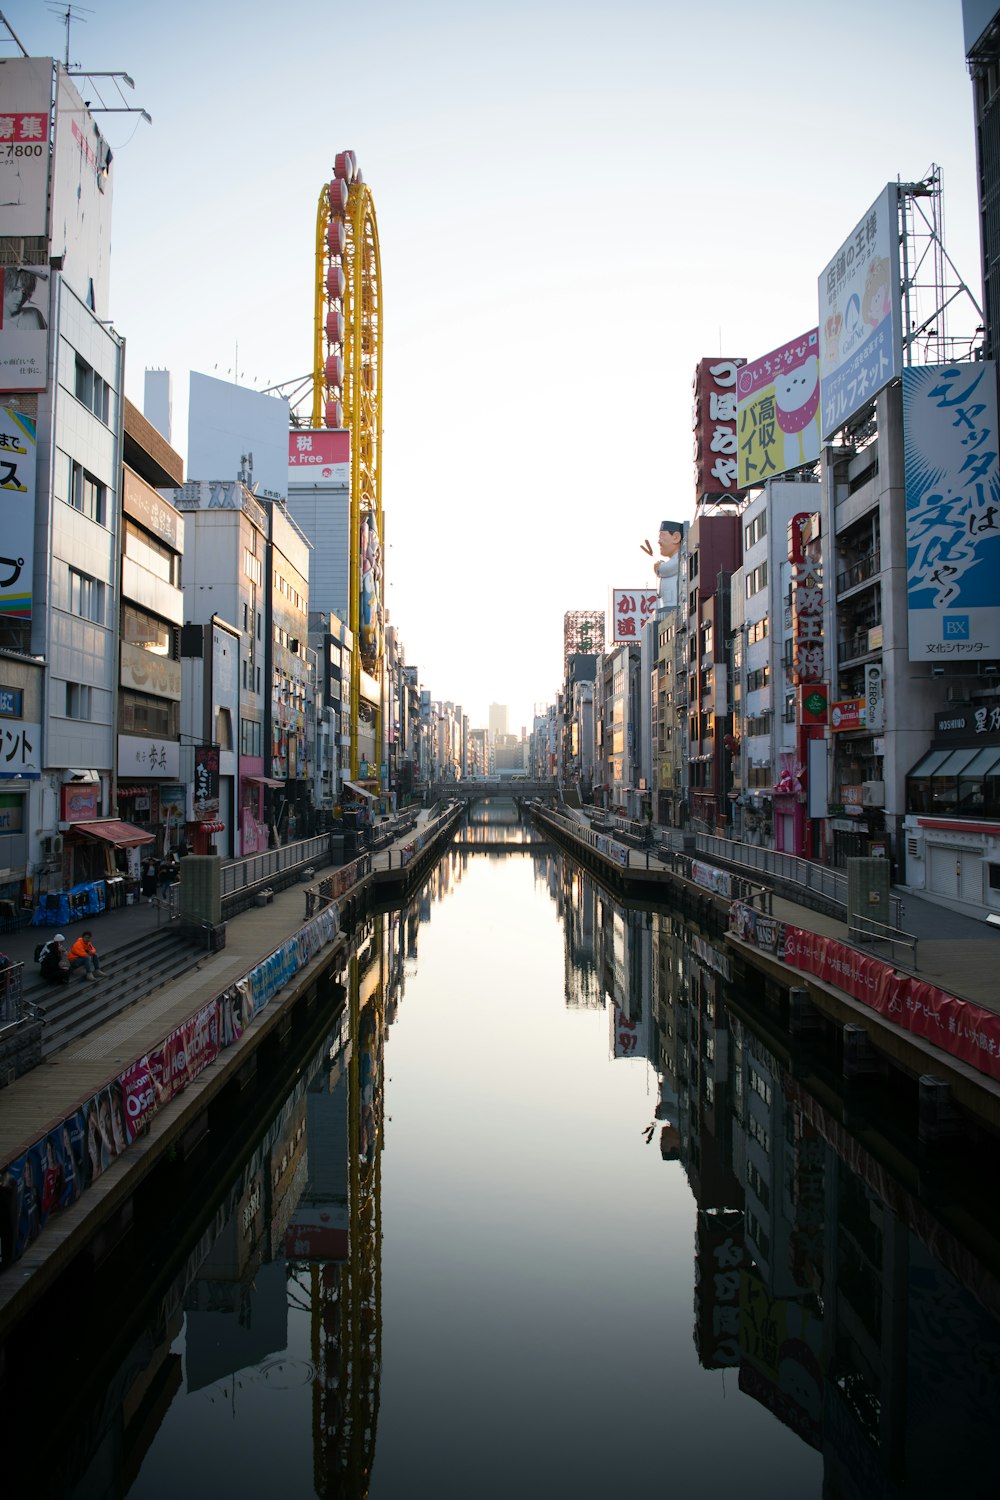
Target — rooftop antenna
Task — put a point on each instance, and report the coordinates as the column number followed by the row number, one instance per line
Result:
column 71, row 13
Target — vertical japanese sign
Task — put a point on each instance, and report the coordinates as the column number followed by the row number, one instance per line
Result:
column 26, row 91
column 17, row 513
column 777, row 404
column 860, row 326
column 952, row 511
column 630, row 610
column 807, row 605
column 24, row 327
column 206, row 783
column 874, row 697
column 715, row 439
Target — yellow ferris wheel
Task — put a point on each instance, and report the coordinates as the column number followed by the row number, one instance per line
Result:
column 347, row 392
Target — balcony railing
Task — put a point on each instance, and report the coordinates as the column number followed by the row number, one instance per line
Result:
column 865, row 568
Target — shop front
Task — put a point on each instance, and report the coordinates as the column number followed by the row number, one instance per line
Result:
column 952, row 824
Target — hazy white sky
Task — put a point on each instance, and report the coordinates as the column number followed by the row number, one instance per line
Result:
column 576, row 202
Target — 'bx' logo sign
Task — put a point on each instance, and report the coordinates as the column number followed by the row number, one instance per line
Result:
column 956, row 627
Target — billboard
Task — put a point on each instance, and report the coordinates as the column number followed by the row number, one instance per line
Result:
column 952, row 512
column 715, row 427
column 17, row 513
column 319, row 456
column 26, row 91
column 630, row 610
column 860, row 327
column 80, row 230
column 24, row 326
column 777, row 411
column 234, row 433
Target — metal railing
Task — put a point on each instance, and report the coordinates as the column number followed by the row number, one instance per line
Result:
column 820, row 881
column 861, row 928
column 12, row 1004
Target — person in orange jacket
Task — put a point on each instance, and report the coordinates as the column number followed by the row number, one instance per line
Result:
column 83, row 955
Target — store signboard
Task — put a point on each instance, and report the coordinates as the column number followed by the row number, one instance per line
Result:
column 630, row 610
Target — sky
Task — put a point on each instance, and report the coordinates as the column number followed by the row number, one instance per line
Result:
column 576, row 202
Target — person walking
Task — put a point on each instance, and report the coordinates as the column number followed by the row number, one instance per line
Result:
column 149, row 880
column 167, row 874
column 83, row 955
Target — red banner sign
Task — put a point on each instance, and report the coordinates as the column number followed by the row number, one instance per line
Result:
column 715, row 450
column 956, row 1026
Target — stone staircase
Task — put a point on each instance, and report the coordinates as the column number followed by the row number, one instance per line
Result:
column 131, row 972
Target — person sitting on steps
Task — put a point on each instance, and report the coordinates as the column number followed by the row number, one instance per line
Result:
column 83, row 955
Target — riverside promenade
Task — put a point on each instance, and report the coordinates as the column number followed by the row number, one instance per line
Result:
column 35, row 1103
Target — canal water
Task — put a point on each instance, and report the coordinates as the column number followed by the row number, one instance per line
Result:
column 543, row 1206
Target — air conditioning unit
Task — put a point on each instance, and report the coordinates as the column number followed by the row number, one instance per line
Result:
column 52, row 844
column 873, row 794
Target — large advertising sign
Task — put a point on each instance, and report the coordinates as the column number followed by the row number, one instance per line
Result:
column 24, row 326
column 715, row 462
column 26, row 91
column 777, row 405
column 206, row 783
column 319, row 456
column 17, row 513
column 81, row 199
column 630, row 610
column 952, row 511
column 860, row 326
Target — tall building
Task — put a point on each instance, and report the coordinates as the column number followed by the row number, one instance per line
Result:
column 497, row 720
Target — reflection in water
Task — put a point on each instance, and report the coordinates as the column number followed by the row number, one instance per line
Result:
column 475, row 1275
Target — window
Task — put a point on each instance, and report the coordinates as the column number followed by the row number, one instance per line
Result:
column 250, row 737
column 224, row 729
column 757, row 631
column 86, row 494
column 756, row 580
column 92, row 389
column 253, row 567
column 141, row 714
column 760, row 678
column 755, row 530
column 141, row 629
column 77, row 700
column 151, row 554
column 86, row 597
column 758, row 1185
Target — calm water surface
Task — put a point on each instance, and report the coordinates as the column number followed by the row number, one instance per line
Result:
column 544, row 1214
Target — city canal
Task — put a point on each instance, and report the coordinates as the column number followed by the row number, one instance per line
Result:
column 536, row 1203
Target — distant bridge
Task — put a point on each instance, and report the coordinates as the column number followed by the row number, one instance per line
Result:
column 469, row 790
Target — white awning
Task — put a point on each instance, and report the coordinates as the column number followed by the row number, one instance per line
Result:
column 362, row 791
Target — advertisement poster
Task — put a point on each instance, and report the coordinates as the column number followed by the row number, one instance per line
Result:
column 24, row 326
column 952, row 512
column 860, row 325
column 17, row 513
column 777, row 411
column 26, row 91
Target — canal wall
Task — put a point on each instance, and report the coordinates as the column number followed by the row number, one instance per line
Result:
column 882, row 1015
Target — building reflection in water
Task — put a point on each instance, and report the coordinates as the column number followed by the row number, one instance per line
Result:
column 860, row 1316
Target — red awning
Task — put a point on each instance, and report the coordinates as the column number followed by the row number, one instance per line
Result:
column 122, row 835
column 264, row 780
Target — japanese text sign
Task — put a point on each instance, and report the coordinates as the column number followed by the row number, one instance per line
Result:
column 631, row 608
column 17, row 513
column 206, row 782
column 319, row 456
column 715, row 443
column 777, row 407
column 950, row 446
column 807, row 607
column 24, row 145
column 20, row 750
column 860, row 326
